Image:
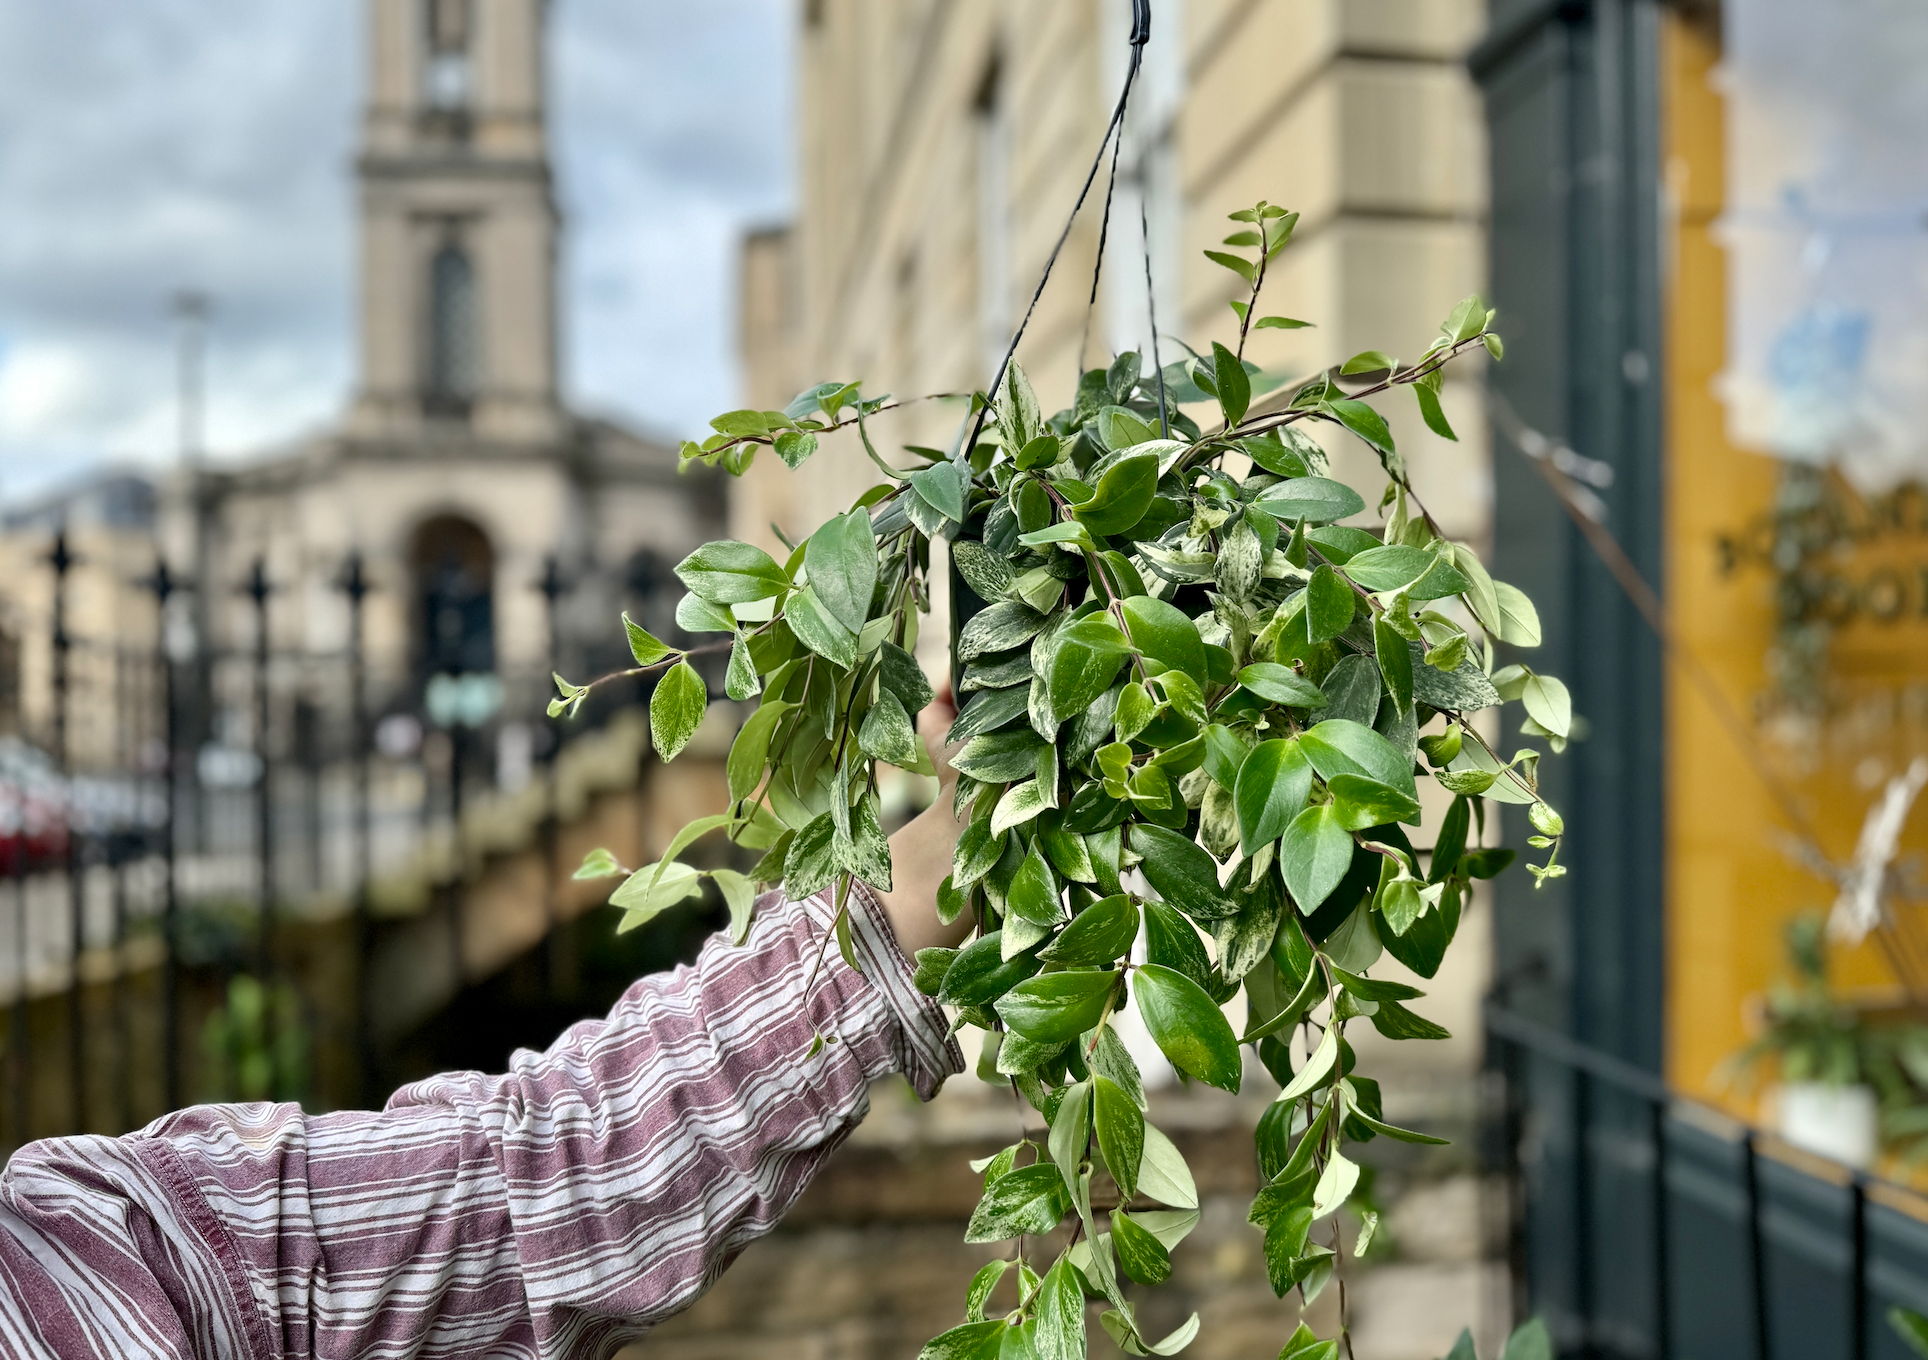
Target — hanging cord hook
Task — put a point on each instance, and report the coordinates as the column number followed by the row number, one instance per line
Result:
column 1140, row 35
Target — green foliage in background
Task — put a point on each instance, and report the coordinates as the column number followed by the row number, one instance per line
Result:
column 255, row 1046
column 1198, row 704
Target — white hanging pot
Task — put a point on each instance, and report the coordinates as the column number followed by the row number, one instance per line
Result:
column 1839, row 1122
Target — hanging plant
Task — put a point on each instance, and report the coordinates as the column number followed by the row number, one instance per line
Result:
column 1194, row 701
column 1196, row 705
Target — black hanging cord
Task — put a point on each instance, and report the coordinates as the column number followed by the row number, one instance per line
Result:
column 1140, row 35
column 1151, row 310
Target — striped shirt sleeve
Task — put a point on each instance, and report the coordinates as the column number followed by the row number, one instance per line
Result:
column 559, row 1209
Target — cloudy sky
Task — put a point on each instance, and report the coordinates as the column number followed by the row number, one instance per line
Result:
column 207, row 143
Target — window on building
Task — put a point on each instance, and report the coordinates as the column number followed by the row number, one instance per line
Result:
column 992, row 126
column 446, row 74
column 454, row 332
column 10, row 715
column 454, row 573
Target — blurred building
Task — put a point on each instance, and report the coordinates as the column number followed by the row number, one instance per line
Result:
column 341, row 679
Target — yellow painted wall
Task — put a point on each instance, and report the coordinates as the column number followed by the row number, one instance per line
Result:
column 1731, row 883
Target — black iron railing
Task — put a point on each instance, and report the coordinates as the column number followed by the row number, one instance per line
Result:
column 1644, row 1225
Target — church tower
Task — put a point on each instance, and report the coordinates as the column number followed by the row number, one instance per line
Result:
column 458, row 226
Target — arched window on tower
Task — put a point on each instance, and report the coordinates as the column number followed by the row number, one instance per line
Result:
column 454, row 332
column 447, row 73
column 454, row 569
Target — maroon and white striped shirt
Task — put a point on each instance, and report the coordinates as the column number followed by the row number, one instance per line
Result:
column 558, row 1210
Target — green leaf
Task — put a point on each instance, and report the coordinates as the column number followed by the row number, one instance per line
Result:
column 1432, row 412
column 981, row 974
column 1519, row 620
column 1531, row 1341
column 932, row 964
column 1000, row 757
column 1466, row 320
column 1122, row 496
column 1281, row 684
column 1041, row 452
column 1181, row 872
column 819, row 630
column 727, row 573
column 676, row 709
column 598, row 863
column 812, row 861
column 1314, row 855
column 1189, row 1028
column 1018, row 417
column 1060, row 1314
column 1302, row 1344
column 1273, row 784
column 1233, row 383
column 941, row 486
column 978, row 1293
column 987, row 711
column 1363, row 421
column 1163, row 1174
column 1033, row 893
column 1548, row 704
column 983, row 570
column 744, row 424
column 1119, row 428
column 867, row 854
column 1020, row 803
column 1174, row 1341
column 739, row 894
column 972, row 1341
column 1141, row 1256
column 1318, row 1066
column 1120, row 1126
column 1224, row 753
column 1361, row 802
column 1088, row 655
column 1910, row 1326
column 1395, row 663
column 694, row 614
column 1368, row 361
column 751, row 749
column 1329, row 604
column 1029, row 1202
column 740, row 682
column 1390, row 567
column 1337, row 747
column 793, row 446
column 1070, row 1134
column 1244, row 268
column 1171, row 942
column 1278, row 323
column 841, row 559
column 1396, row 1022
column 1335, row 1185
column 1057, row 1007
column 1100, row 934
column 1162, row 633
column 903, row 677
column 1316, row 500
column 652, row 890
column 1039, row 588
column 646, row 649
column 999, row 628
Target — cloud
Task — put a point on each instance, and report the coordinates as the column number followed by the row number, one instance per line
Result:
column 209, row 143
